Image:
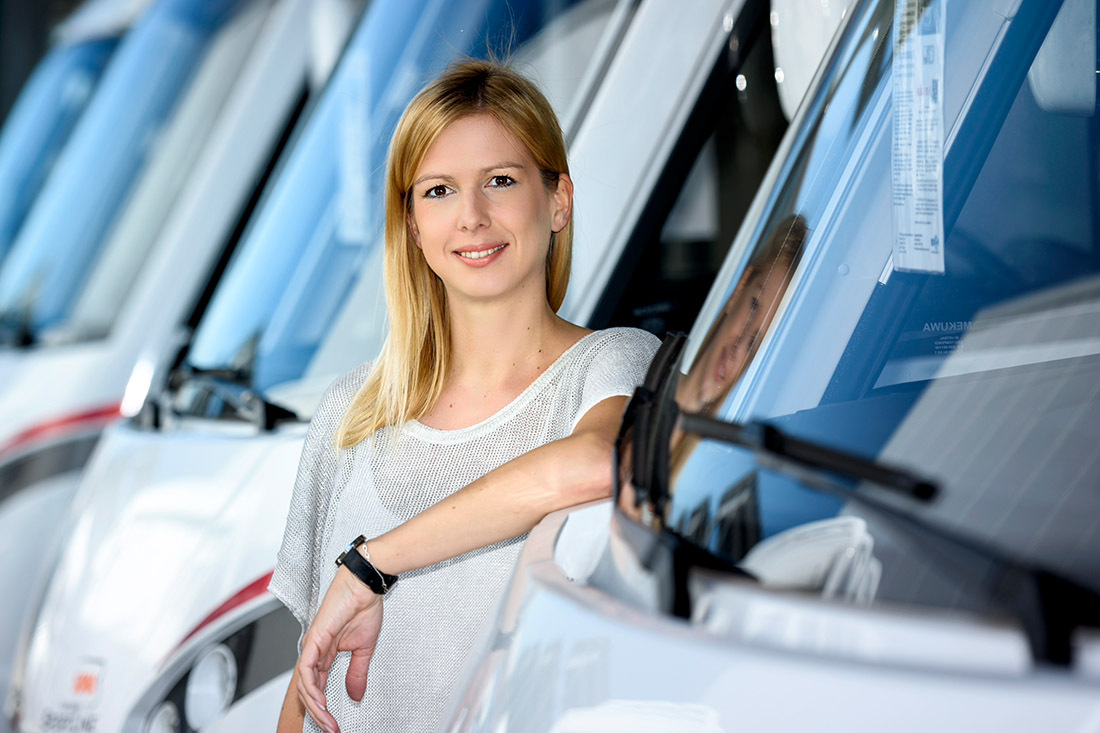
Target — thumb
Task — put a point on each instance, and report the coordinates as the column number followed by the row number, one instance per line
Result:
column 356, row 679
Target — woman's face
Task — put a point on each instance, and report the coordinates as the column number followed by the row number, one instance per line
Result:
column 745, row 320
column 481, row 214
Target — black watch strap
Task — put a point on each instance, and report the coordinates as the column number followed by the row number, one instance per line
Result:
column 363, row 569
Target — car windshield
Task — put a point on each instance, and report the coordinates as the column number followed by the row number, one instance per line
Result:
column 93, row 224
column 934, row 311
column 302, row 300
column 40, row 122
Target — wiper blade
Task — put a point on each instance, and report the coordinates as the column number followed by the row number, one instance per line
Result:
column 1049, row 607
column 771, row 441
column 248, row 402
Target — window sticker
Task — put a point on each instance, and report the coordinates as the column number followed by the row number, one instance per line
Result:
column 917, row 153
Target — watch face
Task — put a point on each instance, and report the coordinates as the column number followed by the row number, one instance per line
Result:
column 351, row 546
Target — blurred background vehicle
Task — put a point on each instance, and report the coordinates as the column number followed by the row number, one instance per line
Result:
column 41, row 121
column 671, row 115
column 138, row 215
column 892, row 437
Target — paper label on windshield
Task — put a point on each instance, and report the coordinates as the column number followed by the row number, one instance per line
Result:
column 917, row 153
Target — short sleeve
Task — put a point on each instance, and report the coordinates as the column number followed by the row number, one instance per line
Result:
column 617, row 365
column 295, row 580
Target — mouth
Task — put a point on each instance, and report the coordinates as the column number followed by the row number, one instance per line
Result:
column 478, row 253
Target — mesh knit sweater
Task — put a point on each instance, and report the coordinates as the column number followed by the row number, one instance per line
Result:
column 433, row 616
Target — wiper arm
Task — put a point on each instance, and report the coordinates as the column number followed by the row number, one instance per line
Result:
column 1049, row 606
column 772, row 441
column 249, row 403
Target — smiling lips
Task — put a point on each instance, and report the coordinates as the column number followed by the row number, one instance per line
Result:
column 480, row 255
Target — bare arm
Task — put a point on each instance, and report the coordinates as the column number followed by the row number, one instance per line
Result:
column 502, row 504
column 510, row 500
column 293, row 715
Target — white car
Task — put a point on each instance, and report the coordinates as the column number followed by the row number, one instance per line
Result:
column 136, row 216
column 671, row 113
column 862, row 496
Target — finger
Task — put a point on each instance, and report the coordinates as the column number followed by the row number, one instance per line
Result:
column 311, row 689
column 356, row 679
column 314, row 665
column 319, row 714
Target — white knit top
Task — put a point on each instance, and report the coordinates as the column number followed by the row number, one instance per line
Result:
column 433, row 617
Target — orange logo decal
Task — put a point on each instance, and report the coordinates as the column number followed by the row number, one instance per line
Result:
column 84, row 684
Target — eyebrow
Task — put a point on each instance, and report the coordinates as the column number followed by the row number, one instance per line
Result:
column 445, row 177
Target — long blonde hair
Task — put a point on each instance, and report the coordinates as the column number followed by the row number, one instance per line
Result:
column 408, row 376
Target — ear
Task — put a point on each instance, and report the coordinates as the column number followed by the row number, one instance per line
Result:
column 562, row 203
column 412, row 228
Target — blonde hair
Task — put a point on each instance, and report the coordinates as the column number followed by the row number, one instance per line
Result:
column 408, row 376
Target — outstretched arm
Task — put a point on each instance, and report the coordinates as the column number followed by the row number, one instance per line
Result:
column 502, row 504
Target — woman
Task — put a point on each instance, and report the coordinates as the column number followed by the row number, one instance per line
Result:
column 484, row 412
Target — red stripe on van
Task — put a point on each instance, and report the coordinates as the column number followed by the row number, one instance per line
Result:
column 253, row 590
column 60, row 427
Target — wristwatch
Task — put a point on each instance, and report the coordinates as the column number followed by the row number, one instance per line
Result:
column 362, row 568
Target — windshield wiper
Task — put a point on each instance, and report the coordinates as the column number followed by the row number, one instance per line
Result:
column 1049, row 606
column 246, row 401
column 771, row 441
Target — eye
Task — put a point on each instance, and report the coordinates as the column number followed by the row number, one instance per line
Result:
column 502, row 182
column 436, row 192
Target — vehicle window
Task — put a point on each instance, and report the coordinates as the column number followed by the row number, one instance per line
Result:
column 302, row 300
column 40, row 123
column 91, row 228
column 697, row 206
column 984, row 377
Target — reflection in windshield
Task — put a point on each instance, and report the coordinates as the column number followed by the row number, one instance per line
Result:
column 983, row 378
column 302, row 301
column 40, row 123
column 744, row 319
column 125, row 163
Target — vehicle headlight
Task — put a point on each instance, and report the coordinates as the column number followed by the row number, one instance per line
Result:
column 165, row 719
column 210, row 686
column 215, row 666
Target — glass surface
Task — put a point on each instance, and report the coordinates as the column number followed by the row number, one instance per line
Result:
column 40, row 123
column 985, row 378
column 98, row 215
column 680, row 243
column 302, row 300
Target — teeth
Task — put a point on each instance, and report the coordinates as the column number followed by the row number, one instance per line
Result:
column 480, row 255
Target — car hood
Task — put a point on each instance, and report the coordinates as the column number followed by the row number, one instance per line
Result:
column 52, row 391
column 165, row 528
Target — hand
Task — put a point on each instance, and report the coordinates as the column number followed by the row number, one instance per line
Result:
column 348, row 620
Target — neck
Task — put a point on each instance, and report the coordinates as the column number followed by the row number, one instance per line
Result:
column 491, row 343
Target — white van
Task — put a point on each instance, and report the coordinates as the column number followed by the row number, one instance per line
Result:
column 168, row 638
column 138, row 213
column 37, row 128
column 863, row 496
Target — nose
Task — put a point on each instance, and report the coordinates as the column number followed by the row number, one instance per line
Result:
column 475, row 212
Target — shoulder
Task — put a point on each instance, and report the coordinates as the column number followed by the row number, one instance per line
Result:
column 631, row 345
column 337, row 398
column 625, row 352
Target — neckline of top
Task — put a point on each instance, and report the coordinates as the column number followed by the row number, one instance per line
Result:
column 425, row 431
